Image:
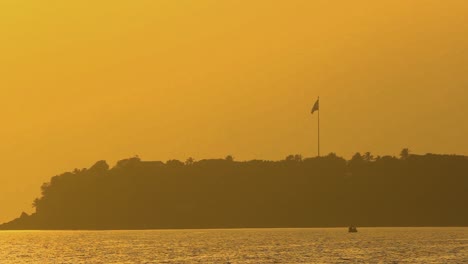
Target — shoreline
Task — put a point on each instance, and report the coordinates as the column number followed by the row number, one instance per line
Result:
column 235, row 228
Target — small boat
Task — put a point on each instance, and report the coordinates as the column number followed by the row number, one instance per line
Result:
column 352, row 229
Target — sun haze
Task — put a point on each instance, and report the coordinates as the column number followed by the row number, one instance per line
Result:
column 83, row 81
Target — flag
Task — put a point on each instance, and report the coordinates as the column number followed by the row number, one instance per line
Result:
column 316, row 107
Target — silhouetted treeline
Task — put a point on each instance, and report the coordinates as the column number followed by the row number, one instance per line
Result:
column 411, row 190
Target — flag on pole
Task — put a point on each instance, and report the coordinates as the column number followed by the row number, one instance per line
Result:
column 316, row 107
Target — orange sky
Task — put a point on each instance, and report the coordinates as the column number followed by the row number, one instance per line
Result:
column 88, row 80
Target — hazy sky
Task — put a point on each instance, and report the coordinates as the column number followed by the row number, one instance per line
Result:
column 83, row 81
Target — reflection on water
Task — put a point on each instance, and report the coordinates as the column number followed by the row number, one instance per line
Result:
column 315, row 245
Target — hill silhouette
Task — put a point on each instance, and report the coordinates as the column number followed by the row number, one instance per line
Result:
column 411, row 190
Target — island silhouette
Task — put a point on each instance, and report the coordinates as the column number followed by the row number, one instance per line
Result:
column 327, row 191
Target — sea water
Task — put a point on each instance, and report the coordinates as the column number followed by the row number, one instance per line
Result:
column 311, row 245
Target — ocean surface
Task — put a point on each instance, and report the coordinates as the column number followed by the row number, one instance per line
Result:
column 311, row 245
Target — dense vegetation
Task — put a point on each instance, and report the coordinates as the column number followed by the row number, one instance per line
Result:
column 412, row 190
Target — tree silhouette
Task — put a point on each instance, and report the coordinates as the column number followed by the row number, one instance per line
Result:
column 189, row 161
column 368, row 157
column 416, row 190
column 404, row 154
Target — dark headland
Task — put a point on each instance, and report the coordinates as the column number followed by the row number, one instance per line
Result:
column 328, row 191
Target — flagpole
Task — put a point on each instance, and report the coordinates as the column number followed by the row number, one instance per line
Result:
column 318, row 128
column 316, row 107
